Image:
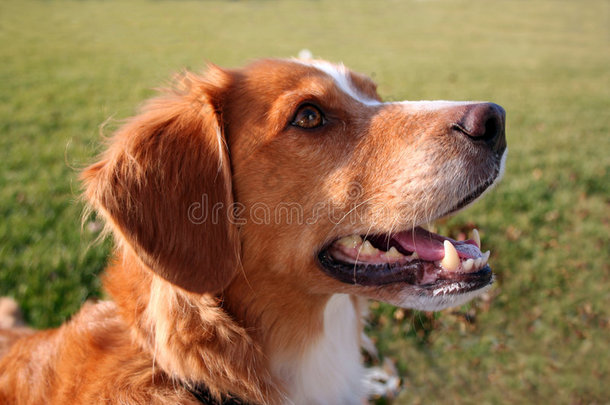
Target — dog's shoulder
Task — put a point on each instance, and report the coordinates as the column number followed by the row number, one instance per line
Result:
column 90, row 357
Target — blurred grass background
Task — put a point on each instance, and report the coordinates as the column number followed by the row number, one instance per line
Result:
column 542, row 335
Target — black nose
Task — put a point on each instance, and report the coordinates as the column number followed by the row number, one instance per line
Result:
column 484, row 122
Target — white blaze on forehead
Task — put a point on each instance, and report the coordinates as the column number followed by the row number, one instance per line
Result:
column 305, row 54
column 340, row 74
column 433, row 105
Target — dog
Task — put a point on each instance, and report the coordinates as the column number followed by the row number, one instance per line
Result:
column 255, row 211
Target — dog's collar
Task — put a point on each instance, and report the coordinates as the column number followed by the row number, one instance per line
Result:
column 204, row 396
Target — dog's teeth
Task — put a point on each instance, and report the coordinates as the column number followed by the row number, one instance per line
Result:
column 368, row 249
column 478, row 262
column 467, row 265
column 486, row 257
column 351, row 241
column 393, row 253
column 414, row 256
column 476, row 237
column 451, row 261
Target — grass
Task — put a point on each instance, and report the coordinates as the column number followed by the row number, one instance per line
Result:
column 540, row 336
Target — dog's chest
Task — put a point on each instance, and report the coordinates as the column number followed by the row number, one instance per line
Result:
column 330, row 370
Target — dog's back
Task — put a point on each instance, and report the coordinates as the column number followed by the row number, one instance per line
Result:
column 11, row 324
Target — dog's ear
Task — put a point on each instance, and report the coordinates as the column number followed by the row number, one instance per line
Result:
column 164, row 186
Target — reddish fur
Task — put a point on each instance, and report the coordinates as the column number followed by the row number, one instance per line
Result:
column 155, row 165
column 210, row 303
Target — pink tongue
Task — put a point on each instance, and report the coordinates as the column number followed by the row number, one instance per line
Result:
column 429, row 246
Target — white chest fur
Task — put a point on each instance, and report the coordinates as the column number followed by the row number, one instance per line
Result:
column 330, row 370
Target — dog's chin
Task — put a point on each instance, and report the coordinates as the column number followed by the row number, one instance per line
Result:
column 408, row 296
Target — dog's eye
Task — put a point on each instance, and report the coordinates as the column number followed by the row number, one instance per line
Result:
column 308, row 117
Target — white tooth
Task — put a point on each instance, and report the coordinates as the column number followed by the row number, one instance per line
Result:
column 414, row 256
column 351, row 241
column 478, row 262
column 467, row 265
column 486, row 257
column 393, row 253
column 368, row 249
column 476, row 237
column 451, row 261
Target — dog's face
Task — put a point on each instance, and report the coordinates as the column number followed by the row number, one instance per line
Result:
column 308, row 177
column 321, row 165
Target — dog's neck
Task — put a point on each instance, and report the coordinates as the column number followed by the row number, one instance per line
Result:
column 269, row 346
column 312, row 341
column 189, row 336
column 327, row 370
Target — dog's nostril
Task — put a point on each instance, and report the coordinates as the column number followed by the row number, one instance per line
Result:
column 492, row 127
column 484, row 122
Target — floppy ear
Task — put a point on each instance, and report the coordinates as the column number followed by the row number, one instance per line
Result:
column 164, row 186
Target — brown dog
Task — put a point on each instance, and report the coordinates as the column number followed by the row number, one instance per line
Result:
column 252, row 211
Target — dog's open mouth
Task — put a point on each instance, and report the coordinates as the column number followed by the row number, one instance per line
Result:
column 416, row 257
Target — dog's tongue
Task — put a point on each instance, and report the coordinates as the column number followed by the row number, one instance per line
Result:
column 429, row 246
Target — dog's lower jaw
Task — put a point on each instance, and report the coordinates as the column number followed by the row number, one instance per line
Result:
column 329, row 369
column 400, row 295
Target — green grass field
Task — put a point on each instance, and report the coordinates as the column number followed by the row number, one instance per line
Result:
column 543, row 333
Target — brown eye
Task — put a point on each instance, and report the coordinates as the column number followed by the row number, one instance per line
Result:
column 308, row 117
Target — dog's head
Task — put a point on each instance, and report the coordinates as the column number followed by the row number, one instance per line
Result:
column 295, row 170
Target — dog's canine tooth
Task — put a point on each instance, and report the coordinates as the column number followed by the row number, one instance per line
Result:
column 352, row 241
column 451, row 261
column 368, row 249
column 486, row 256
column 393, row 253
column 476, row 237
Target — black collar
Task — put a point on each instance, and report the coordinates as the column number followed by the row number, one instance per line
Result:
column 204, row 396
